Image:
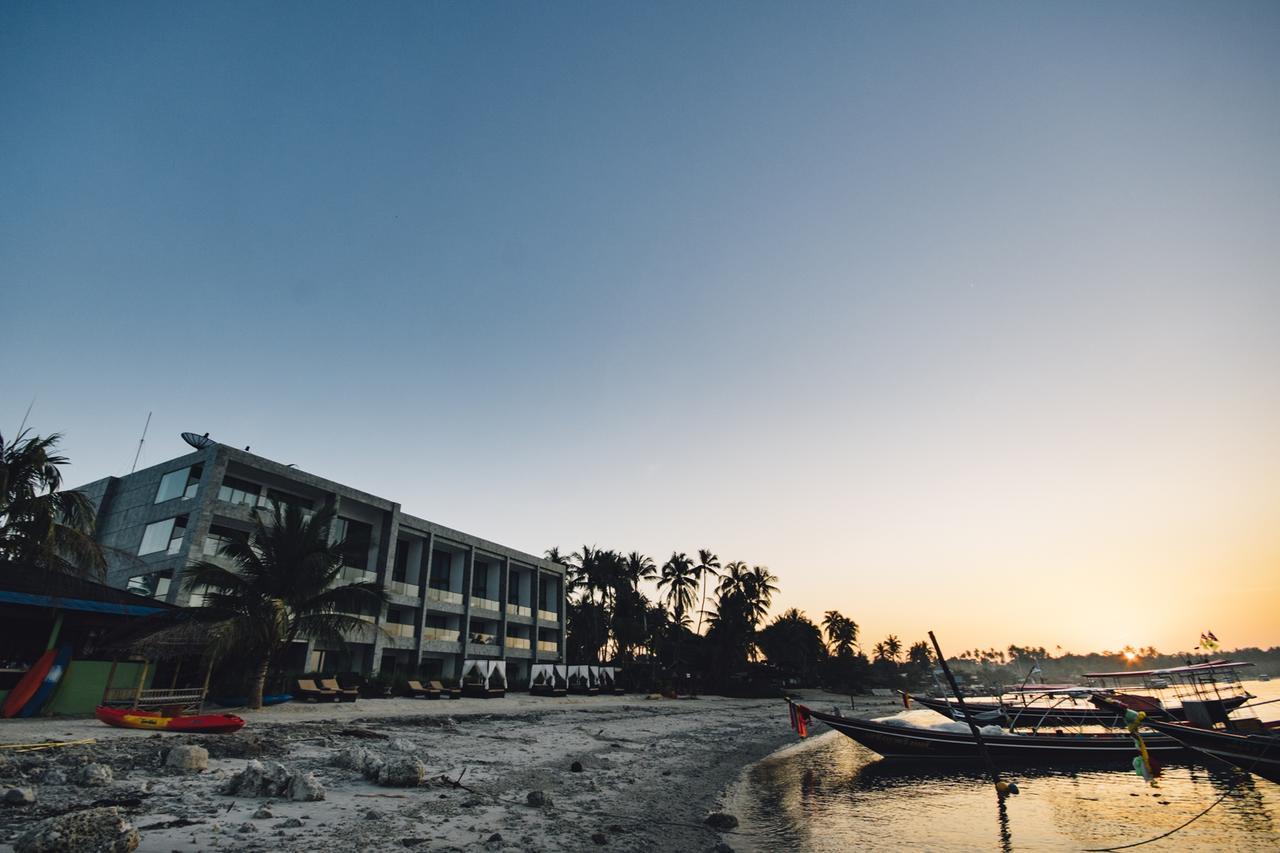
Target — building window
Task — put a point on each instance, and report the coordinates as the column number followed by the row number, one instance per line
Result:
column 239, row 491
column 354, row 539
column 154, row 585
column 219, row 536
column 163, row 535
column 284, row 499
column 183, row 483
column 480, row 579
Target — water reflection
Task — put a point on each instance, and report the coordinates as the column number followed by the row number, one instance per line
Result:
column 831, row 794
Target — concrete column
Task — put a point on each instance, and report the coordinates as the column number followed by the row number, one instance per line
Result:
column 503, row 582
column 384, row 565
column 534, row 597
column 199, row 519
column 467, row 568
column 424, row 581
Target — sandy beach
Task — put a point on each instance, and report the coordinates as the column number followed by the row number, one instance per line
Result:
column 650, row 772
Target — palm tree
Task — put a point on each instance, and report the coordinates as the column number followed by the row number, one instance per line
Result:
column 708, row 563
column 842, row 632
column 761, row 586
column 678, row 580
column 881, row 651
column 284, row 586
column 893, row 646
column 42, row 526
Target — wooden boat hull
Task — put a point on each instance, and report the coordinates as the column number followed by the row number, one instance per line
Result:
column 131, row 718
column 1258, row 753
column 919, row 743
column 1014, row 716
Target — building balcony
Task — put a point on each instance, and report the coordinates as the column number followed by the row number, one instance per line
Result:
column 478, row 639
column 353, row 575
column 402, row 588
column 519, row 610
column 548, row 616
column 444, row 635
column 548, row 646
column 397, row 629
column 478, row 603
column 517, row 643
column 444, row 596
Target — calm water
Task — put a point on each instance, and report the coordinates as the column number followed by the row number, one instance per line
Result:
column 830, row 794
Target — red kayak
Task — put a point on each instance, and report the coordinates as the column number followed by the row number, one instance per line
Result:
column 132, row 718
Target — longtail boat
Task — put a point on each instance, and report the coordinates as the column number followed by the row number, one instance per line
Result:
column 1253, row 748
column 900, row 741
column 132, row 718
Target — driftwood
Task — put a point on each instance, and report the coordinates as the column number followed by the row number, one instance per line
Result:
column 366, row 734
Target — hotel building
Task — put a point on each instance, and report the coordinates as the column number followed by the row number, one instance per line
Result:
column 451, row 596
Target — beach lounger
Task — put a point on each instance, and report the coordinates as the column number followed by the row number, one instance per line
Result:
column 343, row 694
column 480, row 690
column 417, row 691
column 307, row 689
column 441, row 690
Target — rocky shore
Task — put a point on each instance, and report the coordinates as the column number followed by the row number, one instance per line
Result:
column 511, row 774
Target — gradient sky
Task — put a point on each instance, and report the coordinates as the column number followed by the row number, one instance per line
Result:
column 963, row 317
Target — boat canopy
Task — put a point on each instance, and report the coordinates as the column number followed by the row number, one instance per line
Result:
column 1192, row 669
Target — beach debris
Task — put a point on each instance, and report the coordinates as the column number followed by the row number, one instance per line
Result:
column 94, row 776
column 600, row 838
column 575, row 767
column 101, row 829
column 721, row 821
column 186, row 757
column 537, row 799
column 273, row 779
column 402, row 772
column 19, row 796
column 176, row 823
column 367, row 734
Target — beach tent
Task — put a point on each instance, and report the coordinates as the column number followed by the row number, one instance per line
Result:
column 544, row 680
column 582, row 680
column 484, row 678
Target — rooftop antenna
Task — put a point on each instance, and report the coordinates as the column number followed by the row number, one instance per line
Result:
column 23, row 425
column 144, row 438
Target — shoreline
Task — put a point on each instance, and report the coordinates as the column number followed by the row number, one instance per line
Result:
column 651, row 771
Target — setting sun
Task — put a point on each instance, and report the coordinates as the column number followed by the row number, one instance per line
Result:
column 1130, row 656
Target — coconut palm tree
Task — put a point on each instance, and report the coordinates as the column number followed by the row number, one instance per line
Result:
column 708, row 564
column 42, row 526
column 283, row 586
column 677, row 578
column 842, row 632
column 893, row 646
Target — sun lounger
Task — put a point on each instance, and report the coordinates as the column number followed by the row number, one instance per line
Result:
column 343, row 694
column 417, row 691
column 307, row 689
column 480, row 690
column 441, row 690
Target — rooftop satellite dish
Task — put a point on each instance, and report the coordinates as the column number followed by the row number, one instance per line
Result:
column 199, row 442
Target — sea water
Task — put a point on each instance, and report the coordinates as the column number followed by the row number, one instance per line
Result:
column 828, row 793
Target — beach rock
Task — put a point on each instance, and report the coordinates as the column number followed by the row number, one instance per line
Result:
column 52, row 776
column 94, row 776
column 273, row 779
column 575, row 767
column 100, row 830
column 494, row 842
column 600, row 838
column 402, row 772
column 19, row 796
column 290, row 823
column 722, row 848
column 537, row 799
column 721, row 821
column 246, row 828
column 189, row 758
column 351, row 758
column 263, row 814
column 401, row 745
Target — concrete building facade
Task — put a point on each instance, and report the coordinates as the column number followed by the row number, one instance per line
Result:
column 452, row 596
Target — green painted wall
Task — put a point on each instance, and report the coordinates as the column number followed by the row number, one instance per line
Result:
column 80, row 690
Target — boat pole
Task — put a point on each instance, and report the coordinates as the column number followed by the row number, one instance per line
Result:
column 1001, row 787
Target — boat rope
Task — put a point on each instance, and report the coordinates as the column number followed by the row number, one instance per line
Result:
column 1228, row 793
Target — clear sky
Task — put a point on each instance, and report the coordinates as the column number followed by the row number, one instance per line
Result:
column 963, row 317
